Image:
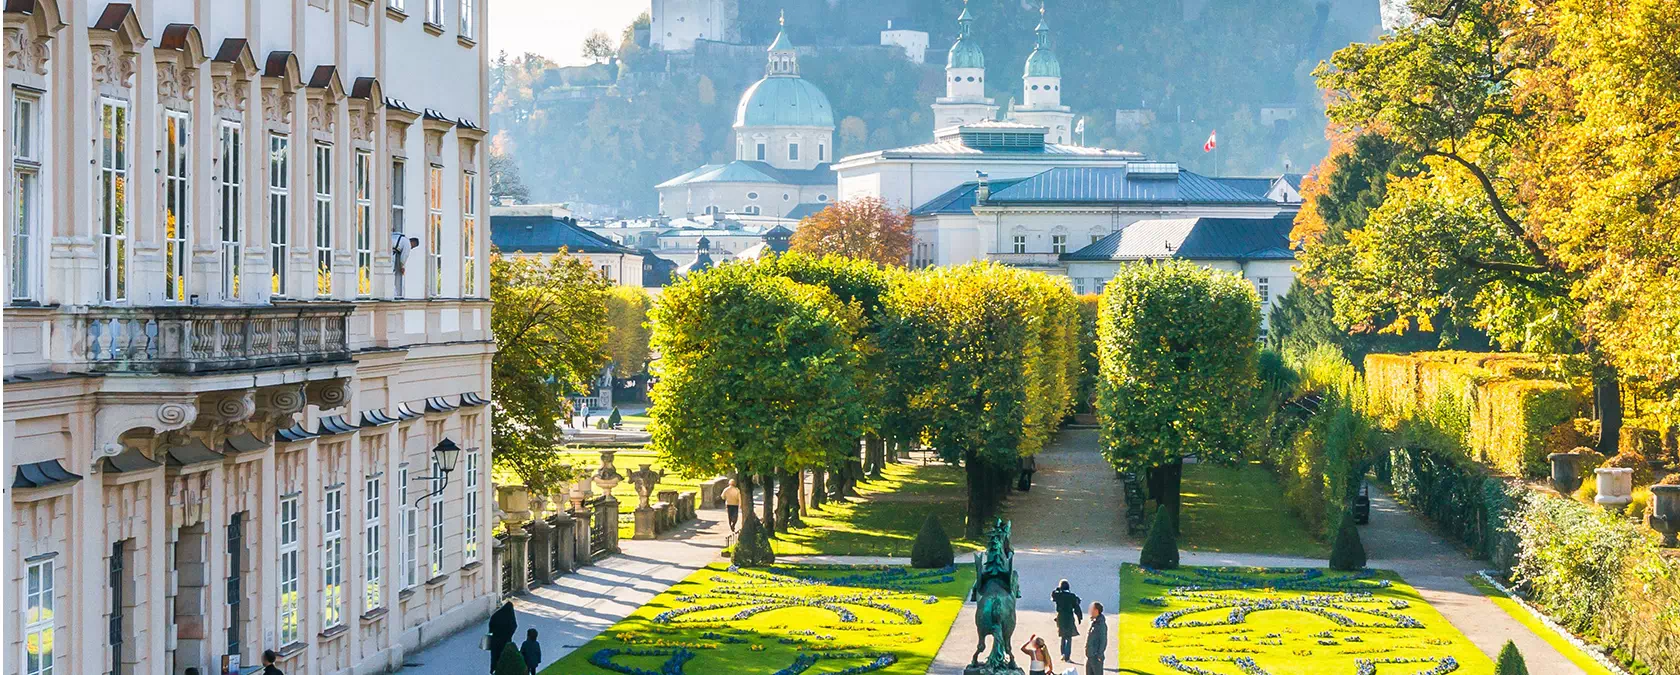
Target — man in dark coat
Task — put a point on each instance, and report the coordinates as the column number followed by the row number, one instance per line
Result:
column 1068, row 616
column 502, row 625
column 1096, row 643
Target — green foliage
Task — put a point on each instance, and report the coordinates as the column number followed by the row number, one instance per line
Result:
column 1459, row 496
column 1177, row 364
column 510, row 662
column 615, row 419
column 1510, row 661
column 628, row 334
column 752, row 544
column 1086, row 399
column 1347, row 553
column 757, row 372
column 1160, row 550
column 549, row 322
column 1317, row 439
column 1627, row 459
column 932, row 548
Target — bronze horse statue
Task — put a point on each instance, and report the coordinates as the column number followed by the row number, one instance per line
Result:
column 996, row 587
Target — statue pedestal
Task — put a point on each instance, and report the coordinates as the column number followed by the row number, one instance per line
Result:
column 984, row 669
column 647, row 523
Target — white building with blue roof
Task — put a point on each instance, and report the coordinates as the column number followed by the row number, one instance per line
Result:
column 784, row 138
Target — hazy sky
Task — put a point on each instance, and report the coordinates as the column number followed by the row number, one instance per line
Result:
column 556, row 28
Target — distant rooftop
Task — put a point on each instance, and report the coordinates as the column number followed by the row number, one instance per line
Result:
column 747, row 171
column 546, row 234
column 1204, row 238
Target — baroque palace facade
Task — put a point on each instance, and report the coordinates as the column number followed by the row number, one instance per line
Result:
column 247, row 333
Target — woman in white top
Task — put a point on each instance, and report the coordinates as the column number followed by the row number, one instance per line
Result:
column 1038, row 654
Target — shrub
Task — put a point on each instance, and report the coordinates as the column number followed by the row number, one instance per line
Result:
column 1460, row 496
column 1670, row 479
column 615, row 419
column 1628, row 459
column 1564, row 437
column 510, row 662
column 1320, row 442
column 1587, row 492
column 752, row 545
column 1641, row 441
column 932, row 549
column 1515, row 416
column 1510, row 661
column 1160, row 550
column 1348, row 552
column 1641, row 502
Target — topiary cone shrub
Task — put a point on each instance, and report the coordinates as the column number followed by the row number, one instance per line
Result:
column 615, row 419
column 1347, row 553
column 752, row 545
column 932, row 549
column 1510, row 661
column 510, row 662
column 1160, row 550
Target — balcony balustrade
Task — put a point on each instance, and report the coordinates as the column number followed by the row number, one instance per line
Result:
column 1027, row 259
column 201, row 339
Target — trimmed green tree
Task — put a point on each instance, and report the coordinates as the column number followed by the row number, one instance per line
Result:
column 757, row 373
column 1510, row 661
column 932, row 548
column 510, row 662
column 1347, row 552
column 1160, row 550
column 1176, row 351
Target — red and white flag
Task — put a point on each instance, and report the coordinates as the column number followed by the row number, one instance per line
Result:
column 1212, row 141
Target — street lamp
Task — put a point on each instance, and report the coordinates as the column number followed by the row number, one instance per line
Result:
column 443, row 457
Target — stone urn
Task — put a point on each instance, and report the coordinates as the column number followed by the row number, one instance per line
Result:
column 1566, row 471
column 580, row 493
column 1665, row 513
column 607, row 477
column 1615, row 488
column 645, row 479
column 515, row 500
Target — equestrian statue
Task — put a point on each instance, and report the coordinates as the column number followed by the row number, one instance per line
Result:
column 995, row 589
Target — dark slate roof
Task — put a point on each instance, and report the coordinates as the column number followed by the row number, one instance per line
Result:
column 1252, row 185
column 960, row 199
column 547, row 234
column 806, row 210
column 1194, row 239
column 1121, row 184
column 42, row 474
column 1294, row 180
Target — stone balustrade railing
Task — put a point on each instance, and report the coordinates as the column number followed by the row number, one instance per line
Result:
column 190, row 339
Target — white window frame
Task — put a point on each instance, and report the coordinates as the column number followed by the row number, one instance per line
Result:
column 434, row 12
column 469, row 234
column 822, row 152
column 793, row 152
column 467, row 22
column 364, row 223
column 111, row 203
column 332, row 558
column 470, row 515
column 176, row 157
column 26, row 191
column 1019, row 245
column 398, row 5
column 435, row 508
column 751, row 210
column 323, row 189
column 434, row 230
column 231, row 186
column 399, row 211
column 1058, row 243
column 373, row 547
column 762, row 151
column 410, row 531
column 1263, row 286
column 1079, row 285
column 279, row 212
column 38, row 618
column 291, row 614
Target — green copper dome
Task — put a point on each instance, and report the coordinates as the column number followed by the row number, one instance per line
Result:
column 1042, row 62
column 780, row 101
column 965, row 53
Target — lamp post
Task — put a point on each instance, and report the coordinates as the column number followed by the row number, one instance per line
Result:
column 444, row 457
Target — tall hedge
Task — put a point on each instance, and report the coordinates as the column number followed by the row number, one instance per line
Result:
column 1319, row 442
column 1496, row 409
column 1461, row 497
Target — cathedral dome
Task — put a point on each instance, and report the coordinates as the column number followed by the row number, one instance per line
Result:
column 780, row 101
column 965, row 53
column 1042, row 62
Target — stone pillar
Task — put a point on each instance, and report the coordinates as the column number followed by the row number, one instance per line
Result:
column 517, row 540
column 542, row 541
column 565, row 541
column 670, row 497
column 608, row 511
column 648, row 525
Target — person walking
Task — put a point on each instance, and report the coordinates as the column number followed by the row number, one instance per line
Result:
column 732, row 503
column 531, row 651
column 1068, row 616
column 502, row 625
column 269, row 657
column 1096, row 642
column 1038, row 655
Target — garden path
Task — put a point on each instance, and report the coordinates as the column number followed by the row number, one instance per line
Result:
column 584, row 604
column 1071, row 526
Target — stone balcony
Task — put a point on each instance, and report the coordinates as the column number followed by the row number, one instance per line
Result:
column 188, row 339
column 1029, row 260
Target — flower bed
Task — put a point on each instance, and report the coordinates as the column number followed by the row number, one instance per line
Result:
column 783, row 620
column 1284, row 621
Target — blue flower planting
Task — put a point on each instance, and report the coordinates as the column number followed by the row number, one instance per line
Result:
column 679, row 656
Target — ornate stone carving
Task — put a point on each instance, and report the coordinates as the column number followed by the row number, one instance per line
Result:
column 279, row 404
column 321, row 115
column 434, row 145
column 233, row 407
column 228, row 93
column 469, row 152
column 26, row 51
column 329, row 394
column 277, row 106
column 396, row 137
column 175, row 81
column 112, row 67
column 174, row 415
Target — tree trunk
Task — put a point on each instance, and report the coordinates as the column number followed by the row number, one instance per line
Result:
column 751, row 548
column 1607, row 398
column 1172, row 480
column 837, row 483
column 877, row 454
column 790, row 501
column 769, row 504
column 804, row 504
column 819, row 492
column 854, row 473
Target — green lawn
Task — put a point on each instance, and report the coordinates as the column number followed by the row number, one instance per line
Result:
column 1564, row 647
column 1240, row 509
column 879, row 620
column 1299, row 639
column 886, row 519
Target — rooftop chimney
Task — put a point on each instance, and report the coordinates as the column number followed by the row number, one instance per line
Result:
column 983, row 191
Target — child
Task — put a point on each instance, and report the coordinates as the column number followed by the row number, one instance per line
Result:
column 531, row 651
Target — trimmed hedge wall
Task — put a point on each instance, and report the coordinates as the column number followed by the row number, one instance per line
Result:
column 1316, row 439
column 1464, row 499
column 1496, row 409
